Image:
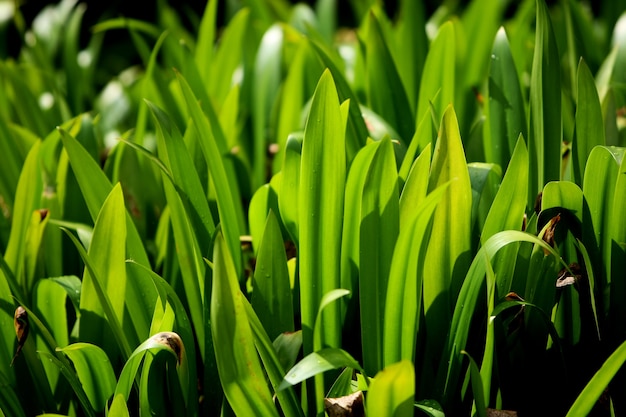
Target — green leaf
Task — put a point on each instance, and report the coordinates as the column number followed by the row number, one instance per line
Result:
column 416, row 185
column 222, row 171
column 509, row 205
column 411, row 47
column 271, row 295
column 322, row 178
column 392, row 390
column 595, row 387
column 447, row 379
column 404, row 292
column 480, row 22
column 388, row 99
column 273, row 361
column 318, row 362
column 447, row 256
column 506, row 110
column 438, row 78
column 477, row 386
column 267, row 79
column 95, row 187
column 356, row 130
column 545, row 133
column 289, row 186
column 94, row 372
column 379, row 227
column 238, row 364
column 27, row 196
column 589, row 124
column 206, row 40
column 107, row 260
column 599, row 185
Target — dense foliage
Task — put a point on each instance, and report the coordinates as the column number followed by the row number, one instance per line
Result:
column 258, row 210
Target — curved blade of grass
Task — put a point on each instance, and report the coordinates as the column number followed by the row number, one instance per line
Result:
column 589, row 123
column 388, row 99
column 222, row 171
column 392, row 390
column 77, row 387
column 545, row 134
column 447, row 256
column 94, row 371
column 595, row 387
column 239, row 368
column 506, row 110
column 447, row 378
column 183, row 327
column 271, row 295
column 318, row 362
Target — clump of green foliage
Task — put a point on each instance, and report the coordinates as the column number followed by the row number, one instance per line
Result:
column 424, row 212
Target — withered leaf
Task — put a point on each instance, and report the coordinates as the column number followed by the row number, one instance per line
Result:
column 172, row 341
column 20, row 322
column 548, row 236
column 348, row 406
column 491, row 412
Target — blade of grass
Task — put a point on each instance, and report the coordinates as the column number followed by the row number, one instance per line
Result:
column 392, row 390
column 271, row 295
column 238, row 364
column 379, row 227
column 589, row 124
column 94, row 371
column 595, row 387
column 447, row 257
column 545, row 133
column 222, row 171
column 404, row 292
column 437, row 85
column 506, row 110
column 388, row 99
column 95, row 187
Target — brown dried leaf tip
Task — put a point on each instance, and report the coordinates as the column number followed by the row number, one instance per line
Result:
column 20, row 322
column 565, row 278
column 548, row 236
column 172, row 341
column 348, row 406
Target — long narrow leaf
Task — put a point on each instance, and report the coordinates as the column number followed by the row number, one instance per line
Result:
column 238, row 364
